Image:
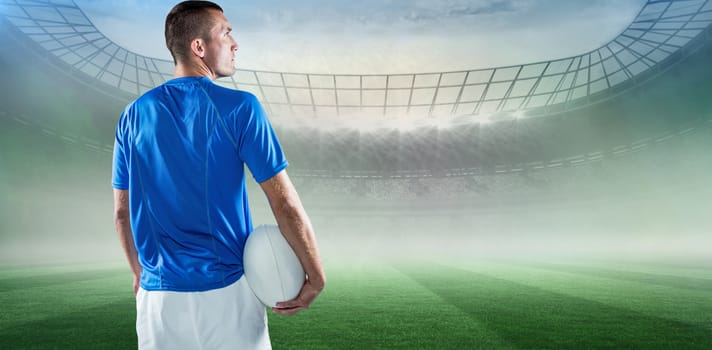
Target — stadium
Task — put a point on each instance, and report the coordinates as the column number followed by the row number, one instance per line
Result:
column 562, row 203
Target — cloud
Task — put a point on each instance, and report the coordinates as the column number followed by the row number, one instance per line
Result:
column 386, row 15
column 487, row 9
column 375, row 36
column 126, row 9
column 460, row 11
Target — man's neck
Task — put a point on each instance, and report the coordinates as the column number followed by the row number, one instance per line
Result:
column 193, row 69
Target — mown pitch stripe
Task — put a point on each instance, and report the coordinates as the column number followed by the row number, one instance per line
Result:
column 684, row 305
column 531, row 317
column 109, row 326
column 69, row 311
column 50, row 297
column 701, row 284
column 15, row 283
column 694, row 269
column 379, row 308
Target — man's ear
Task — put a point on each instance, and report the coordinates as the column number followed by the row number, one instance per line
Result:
column 197, row 46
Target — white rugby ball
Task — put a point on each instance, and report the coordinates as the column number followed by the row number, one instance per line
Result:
column 272, row 269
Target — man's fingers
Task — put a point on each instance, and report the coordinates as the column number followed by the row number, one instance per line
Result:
column 288, row 304
column 288, row 311
column 290, row 307
column 301, row 302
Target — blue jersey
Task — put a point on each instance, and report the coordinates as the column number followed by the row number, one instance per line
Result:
column 180, row 151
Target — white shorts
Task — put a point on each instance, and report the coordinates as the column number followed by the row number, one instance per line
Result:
column 225, row 318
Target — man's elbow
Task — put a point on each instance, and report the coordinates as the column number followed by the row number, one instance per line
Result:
column 319, row 282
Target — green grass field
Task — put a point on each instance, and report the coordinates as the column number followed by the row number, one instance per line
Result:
column 463, row 305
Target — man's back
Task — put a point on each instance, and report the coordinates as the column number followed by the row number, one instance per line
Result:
column 180, row 206
column 180, row 150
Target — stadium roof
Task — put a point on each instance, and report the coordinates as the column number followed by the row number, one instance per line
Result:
column 657, row 35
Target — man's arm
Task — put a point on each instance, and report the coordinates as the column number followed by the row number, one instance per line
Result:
column 122, row 220
column 297, row 230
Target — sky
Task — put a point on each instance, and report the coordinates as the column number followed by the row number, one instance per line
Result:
column 384, row 36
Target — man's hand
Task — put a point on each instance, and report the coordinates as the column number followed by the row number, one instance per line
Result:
column 306, row 296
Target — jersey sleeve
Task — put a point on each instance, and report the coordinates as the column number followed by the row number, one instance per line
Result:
column 258, row 145
column 120, row 171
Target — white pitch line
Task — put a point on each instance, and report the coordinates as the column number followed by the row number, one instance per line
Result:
column 21, row 121
column 665, row 138
column 68, row 139
column 683, row 132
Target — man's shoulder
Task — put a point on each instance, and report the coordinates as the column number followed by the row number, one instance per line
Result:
column 233, row 102
column 232, row 95
column 224, row 98
column 148, row 96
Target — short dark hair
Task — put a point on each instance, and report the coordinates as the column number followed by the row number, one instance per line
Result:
column 186, row 21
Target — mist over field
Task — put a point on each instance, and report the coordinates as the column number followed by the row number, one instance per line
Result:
column 642, row 192
column 654, row 204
